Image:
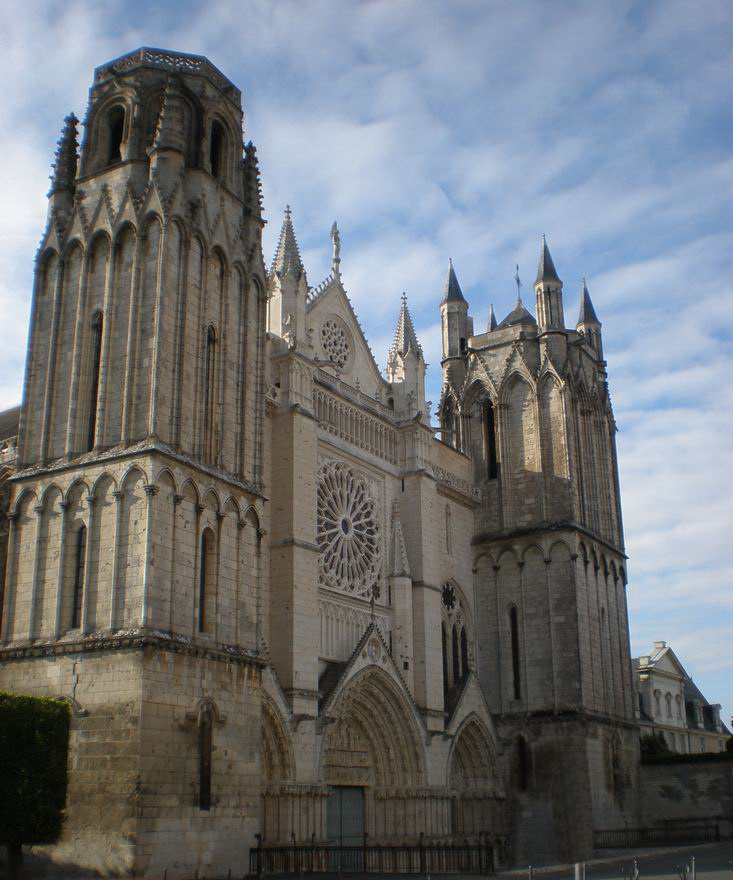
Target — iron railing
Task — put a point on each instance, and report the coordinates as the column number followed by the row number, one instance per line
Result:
column 702, row 831
column 429, row 858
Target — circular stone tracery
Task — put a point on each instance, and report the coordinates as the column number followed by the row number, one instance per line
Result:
column 348, row 532
column 335, row 342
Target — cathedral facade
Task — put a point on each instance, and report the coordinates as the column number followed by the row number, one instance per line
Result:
column 280, row 604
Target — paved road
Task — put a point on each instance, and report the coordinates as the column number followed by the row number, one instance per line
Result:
column 713, row 861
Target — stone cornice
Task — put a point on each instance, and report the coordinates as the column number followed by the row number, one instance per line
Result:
column 551, row 528
column 130, row 640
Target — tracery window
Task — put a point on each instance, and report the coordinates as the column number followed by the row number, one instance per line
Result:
column 335, row 342
column 455, row 638
column 489, row 421
column 348, row 532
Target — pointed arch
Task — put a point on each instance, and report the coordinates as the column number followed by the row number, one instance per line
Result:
column 278, row 758
column 374, row 720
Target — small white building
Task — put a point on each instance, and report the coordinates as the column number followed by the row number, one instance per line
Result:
column 671, row 704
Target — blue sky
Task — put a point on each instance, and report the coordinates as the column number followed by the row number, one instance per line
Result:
column 467, row 129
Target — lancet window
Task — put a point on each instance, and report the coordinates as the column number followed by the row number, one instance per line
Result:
column 80, row 556
column 514, row 639
column 97, row 324
column 455, row 638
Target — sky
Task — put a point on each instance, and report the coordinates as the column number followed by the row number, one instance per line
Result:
column 467, row 129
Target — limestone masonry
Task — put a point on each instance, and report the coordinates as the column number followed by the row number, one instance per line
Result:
column 276, row 601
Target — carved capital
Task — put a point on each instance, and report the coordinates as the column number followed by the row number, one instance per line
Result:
column 151, row 490
column 177, row 500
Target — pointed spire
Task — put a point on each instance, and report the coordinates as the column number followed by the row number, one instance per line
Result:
column 587, row 314
column 169, row 130
column 251, row 183
column 491, row 323
column 405, row 338
column 452, row 291
column 287, row 256
column 546, row 269
column 67, row 156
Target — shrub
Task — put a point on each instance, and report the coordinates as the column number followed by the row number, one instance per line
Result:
column 34, row 741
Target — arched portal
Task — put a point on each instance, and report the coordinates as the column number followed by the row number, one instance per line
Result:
column 474, row 782
column 373, row 759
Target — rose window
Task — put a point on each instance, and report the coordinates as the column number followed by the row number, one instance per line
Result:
column 348, row 532
column 335, row 342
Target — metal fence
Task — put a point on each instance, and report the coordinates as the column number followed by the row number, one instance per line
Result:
column 417, row 859
column 671, row 833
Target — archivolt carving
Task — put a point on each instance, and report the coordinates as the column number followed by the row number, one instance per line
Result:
column 277, row 750
column 375, row 740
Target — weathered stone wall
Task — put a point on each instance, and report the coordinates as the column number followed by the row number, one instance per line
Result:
column 688, row 791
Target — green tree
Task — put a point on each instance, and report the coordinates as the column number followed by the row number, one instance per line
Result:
column 34, row 742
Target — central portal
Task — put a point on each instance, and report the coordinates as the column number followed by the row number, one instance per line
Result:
column 346, row 816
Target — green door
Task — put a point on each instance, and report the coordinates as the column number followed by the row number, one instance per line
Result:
column 346, row 816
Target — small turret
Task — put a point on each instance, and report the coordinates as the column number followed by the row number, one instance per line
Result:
column 167, row 150
column 406, row 367
column 548, row 291
column 588, row 323
column 454, row 317
column 61, row 194
column 288, row 286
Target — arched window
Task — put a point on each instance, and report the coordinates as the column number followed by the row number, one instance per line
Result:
column 96, row 360
column 489, row 420
column 514, row 636
column 115, row 133
column 456, row 655
column 217, row 144
column 209, row 393
column 80, row 558
column 464, row 651
column 205, row 727
column 207, row 575
column 523, row 760
column 668, row 701
column 657, row 703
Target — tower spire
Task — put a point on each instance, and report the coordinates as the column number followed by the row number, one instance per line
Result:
column 452, row 290
column 67, row 157
column 586, row 314
column 405, row 338
column 491, row 323
column 287, row 259
column 546, row 269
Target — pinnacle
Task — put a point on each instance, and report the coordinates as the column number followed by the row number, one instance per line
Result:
column 587, row 314
column 405, row 338
column 65, row 163
column 452, row 290
column 546, row 269
column 491, row 323
column 287, row 256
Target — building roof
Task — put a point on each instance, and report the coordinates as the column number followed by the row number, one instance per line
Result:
column 9, row 421
column 452, row 290
column 518, row 315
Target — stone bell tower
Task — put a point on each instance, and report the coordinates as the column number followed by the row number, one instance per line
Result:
column 134, row 567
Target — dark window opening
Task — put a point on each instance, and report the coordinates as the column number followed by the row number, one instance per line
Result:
column 79, row 566
column 523, row 764
column 514, row 628
column 444, row 639
column 456, row 656
column 464, row 651
column 206, row 565
column 463, row 345
column 94, row 391
column 492, row 465
column 116, row 128
column 390, row 402
column 205, row 760
column 216, row 149
column 209, row 395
